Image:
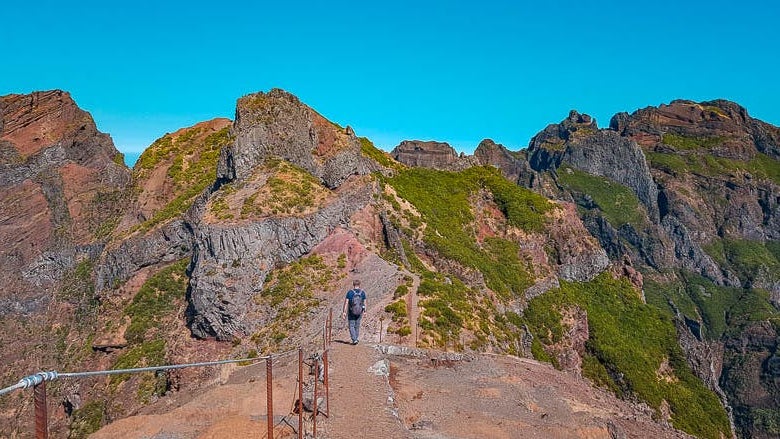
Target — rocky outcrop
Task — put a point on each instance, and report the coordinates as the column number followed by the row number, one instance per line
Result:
column 119, row 262
column 434, row 155
column 231, row 261
column 750, row 376
column 513, row 165
column 61, row 185
column 579, row 256
column 579, row 143
column 277, row 124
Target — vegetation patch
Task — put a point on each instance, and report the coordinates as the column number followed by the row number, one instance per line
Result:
column 78, row 289
column 442, row 199
column 765, row 420
column 761, row 166
column 157, row 299
column 631, row 340
column 87, row 420
column 105, row 211
column 681, row 142
column 146, row 354
column 752, row 259
column 193, row 167
column 722, row 310
column 290, row 190
column 288, row 295
column 368, row 149
column 619, row 204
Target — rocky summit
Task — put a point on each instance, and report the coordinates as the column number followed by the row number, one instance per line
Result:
column 610, row 281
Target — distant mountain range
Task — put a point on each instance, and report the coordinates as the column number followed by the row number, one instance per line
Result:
column 644, row 256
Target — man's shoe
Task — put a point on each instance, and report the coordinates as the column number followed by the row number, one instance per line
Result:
column 354, row 342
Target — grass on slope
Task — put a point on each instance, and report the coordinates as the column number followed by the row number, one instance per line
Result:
column 722, row 310
column 368, row 149
column 629, row 341
column 288, row 293
column 154, row 303
column 193, row 168
column 442, row 198
column 619, row 204
column 761, row 166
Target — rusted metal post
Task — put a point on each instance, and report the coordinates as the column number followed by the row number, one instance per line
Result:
column 314, row 403
column 41, row 417
column 330, row 326
column 300, row 393
column 327, row 391
column 269, row 379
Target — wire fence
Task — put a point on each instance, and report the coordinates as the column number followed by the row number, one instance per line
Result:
column 319, row 364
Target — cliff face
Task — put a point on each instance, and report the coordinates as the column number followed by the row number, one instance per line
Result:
column 688, row 193
column 249, row 230
column 61, row 182
column 278, row 124
column 705, row 177
column 434, row 155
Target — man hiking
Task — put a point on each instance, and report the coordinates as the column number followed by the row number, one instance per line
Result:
column 354, row 307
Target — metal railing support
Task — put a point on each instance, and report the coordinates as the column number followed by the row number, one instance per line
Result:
column 300, row 393
column 270, row 397
column 330, row 326
column 41, row 417
column 314, row 403
column 327, row 391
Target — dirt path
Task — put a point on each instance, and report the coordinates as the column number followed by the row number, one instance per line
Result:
column 414, row 310
column 361, row 405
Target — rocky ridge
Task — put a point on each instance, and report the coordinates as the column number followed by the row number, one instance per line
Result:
column 291, row 191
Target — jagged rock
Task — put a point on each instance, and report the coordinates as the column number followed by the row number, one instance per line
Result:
column 168, row 243
column 434, row 155
column 248, row 251
column 513, row 165
column 277, row 124
column 571, row 348
column 56, row 180
column 690, row 254
column 393, row 238
column 580, row 258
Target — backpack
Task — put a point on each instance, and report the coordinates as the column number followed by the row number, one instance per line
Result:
column 356, row 303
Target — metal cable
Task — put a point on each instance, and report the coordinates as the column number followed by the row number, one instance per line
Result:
column 33, row 380
column 30, row 381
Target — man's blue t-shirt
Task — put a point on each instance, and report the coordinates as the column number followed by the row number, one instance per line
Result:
column 350, row 295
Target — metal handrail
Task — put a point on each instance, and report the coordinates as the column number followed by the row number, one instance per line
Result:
column 38, row 380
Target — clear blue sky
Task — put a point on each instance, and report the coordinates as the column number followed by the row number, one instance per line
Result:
column 449, row 71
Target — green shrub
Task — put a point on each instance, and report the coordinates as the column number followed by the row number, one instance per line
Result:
column 403, row 331
column 619, row 204
column 633, row 339
column 442, row 198
column 400, row 291
column 157, row 298
column 87, row 419
column 397, row 309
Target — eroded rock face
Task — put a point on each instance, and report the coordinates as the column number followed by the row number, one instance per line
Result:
column 231, row 261
column 277, row 124
column 434, row 155
column 120, row 261
column 579, row 256
column 513, row 165
column 61, row 181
